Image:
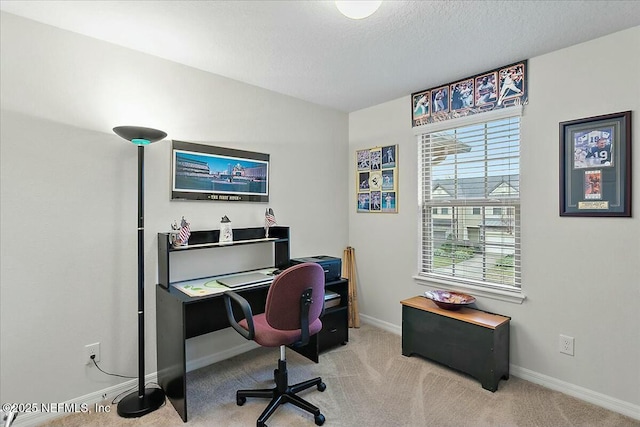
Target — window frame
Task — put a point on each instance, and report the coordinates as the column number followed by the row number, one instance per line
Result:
column 503, row 293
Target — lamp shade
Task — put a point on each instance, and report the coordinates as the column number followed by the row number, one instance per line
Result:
column 139, row 135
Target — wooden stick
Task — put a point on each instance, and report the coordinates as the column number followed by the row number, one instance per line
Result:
column 349, row 270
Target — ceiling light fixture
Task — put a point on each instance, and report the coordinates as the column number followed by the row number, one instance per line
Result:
column 358, row 9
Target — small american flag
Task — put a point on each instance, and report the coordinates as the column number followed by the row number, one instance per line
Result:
column 185, row 232
column 269, row 219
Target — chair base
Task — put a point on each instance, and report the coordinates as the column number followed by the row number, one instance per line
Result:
column 283, row 393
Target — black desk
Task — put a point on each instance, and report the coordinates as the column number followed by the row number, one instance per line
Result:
column 180, row 317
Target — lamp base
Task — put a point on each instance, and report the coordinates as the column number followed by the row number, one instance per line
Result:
column 133, row 406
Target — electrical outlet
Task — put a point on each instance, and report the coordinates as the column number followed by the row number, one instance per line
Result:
column 92, row 350
column 566, row 344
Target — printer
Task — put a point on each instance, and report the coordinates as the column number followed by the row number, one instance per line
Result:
column 332, row 266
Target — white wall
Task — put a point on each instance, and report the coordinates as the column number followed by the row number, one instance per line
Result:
column 581, row 276
column 68, row 200
column 69, row 196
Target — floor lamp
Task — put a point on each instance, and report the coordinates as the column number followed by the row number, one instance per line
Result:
column 143, row 401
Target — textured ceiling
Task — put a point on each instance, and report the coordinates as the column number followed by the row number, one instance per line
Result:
column 308, row 50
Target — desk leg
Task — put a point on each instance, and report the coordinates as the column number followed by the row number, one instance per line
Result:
column 171, row 352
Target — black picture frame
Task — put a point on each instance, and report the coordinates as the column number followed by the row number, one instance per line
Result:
column 595, row 166
column 205, row 172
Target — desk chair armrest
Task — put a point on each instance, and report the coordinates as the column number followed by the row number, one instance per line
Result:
column 246, row 311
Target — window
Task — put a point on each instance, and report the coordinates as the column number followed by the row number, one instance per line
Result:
column 472, row 173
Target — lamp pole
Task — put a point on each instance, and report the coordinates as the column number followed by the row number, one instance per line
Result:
column 140, row 268
column 145, row 400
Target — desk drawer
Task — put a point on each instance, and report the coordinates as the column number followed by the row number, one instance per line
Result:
column 334, row 331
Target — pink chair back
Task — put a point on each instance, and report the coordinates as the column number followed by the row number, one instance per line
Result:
column 282, row 308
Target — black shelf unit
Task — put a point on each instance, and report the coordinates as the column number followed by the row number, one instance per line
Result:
column 209, row 239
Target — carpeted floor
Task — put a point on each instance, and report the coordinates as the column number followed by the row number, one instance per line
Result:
column 369, row 383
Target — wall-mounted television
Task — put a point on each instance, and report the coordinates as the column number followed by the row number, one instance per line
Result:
column 205, row 172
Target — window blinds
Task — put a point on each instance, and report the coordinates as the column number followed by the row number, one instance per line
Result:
column 470, row 199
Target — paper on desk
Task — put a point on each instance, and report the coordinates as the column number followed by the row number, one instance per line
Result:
column 201, row 287
column 209, row 285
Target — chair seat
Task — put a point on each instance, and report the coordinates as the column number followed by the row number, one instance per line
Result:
column 291, row 317
column 267, row 336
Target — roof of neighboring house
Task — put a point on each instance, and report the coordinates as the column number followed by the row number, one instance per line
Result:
column 469, row 188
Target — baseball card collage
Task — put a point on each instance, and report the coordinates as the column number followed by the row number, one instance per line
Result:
column 377, row 179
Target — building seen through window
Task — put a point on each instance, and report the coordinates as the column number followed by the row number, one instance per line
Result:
column 470, row 197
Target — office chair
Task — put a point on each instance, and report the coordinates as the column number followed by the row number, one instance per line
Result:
column 292, row 314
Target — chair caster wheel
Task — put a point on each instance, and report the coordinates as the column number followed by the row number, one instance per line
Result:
column 322, row 387
column 241, row 401
column 319, row 419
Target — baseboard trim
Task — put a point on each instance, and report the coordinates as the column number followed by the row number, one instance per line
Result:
column 91, row 399
column 389, row 327
column 210, row 359
column 598, row 399
column 88, row 401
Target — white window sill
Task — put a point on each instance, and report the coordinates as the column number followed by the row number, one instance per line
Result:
column 515, row 296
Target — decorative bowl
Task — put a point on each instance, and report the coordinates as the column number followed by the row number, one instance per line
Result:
column 449, row 300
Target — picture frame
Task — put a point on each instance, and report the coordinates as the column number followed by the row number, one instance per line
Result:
column 440, row 100
column 420, row 103
column 377, row 180
column 462, row 93
column 500, row 88
column 205, row 172
column 595, row 166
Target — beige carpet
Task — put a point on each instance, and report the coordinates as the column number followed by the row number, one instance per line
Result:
column 369, row 383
